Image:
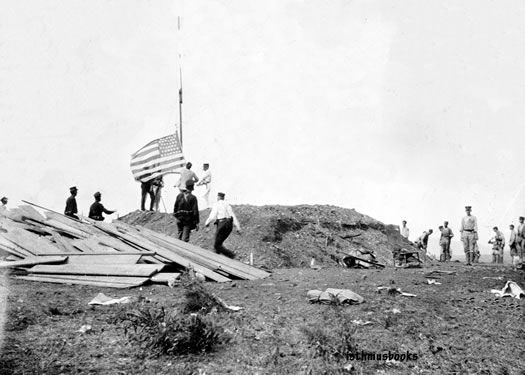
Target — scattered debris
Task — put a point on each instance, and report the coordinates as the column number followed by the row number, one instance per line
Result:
column 352, row 261
column 102, row 299
column 433, row 281
column 392, row 290
column 85, row 329
column 438, row 273
column 101, row 254
column 396, row 311
column 493, row 278
column 405, row 258
column 360, row 322
column 511, row 289
column 334, row 296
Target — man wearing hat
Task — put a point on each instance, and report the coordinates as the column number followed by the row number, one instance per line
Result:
column 71, row 203
column 206, row 181
column 3, row 206
column 521, row 238
column 186, row 211
column 96, row 209
column 469, row 234
column 186, row 174
column 223, row 216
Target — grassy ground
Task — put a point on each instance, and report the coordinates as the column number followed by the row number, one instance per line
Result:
column 456, row 327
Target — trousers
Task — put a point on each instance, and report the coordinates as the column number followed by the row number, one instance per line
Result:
column 469, row 241
column 183, row 231
column 224, row 228
column 145, row 189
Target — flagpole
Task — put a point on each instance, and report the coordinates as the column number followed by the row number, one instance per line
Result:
column 180, row 81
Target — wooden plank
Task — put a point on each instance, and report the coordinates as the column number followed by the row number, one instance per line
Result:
column 82, row 246
column 115, row 244
column 31, row 213
column 145, row 253
column 84, row 227
column 14, row 249
column 164, row 277
column 30, row 241
column 145, row 270
column 206, row 257
column 61, row 227
column 32, row 261
column 146, row 245
column 106, row 279
column 63, row 243
column 83, row 280
column 104, row 259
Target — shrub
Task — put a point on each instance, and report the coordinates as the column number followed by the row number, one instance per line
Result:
column 159, row 333
column 198, row 298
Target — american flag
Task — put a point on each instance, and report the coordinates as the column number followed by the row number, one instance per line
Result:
column 157, row 158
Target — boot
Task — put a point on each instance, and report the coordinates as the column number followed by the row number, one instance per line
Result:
column 469, row 258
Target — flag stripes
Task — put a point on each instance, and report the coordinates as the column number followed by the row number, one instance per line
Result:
column 158, row 157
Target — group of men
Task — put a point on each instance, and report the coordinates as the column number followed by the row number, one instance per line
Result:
column 469, row 238
column 186, row 210
column 153, row 187
column 96, row 210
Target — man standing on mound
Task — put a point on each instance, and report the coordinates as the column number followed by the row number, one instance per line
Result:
column 469, row 234
column 222, row 214
column 186, row 211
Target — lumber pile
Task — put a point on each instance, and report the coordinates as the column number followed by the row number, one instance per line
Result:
column 54, row 248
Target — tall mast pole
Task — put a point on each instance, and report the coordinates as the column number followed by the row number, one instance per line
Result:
column 180, row 81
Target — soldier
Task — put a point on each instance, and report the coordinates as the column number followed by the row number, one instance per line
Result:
column 3, row 206
column 96, row 209
column 498, row 243
column 469, row 234
column 146, row 188
column 223, row 217
column 186, row 174
column 71, row 203
column 186, row 212
column 446, row 238
column 206, row 181
column 422, row 241
column 157, row 185
column 405, row 232
column 513, row 241
column 521, row 239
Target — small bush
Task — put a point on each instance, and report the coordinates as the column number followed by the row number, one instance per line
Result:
column 159, row 333
column 198, row 298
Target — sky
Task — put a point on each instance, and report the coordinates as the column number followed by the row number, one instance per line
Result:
column 402, row 110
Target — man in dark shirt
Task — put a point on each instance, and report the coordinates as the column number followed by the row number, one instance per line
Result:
column 186, row 211
column 71, row 204
column 96, row 209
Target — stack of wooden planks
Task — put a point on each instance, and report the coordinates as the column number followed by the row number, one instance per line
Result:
column 51, row 247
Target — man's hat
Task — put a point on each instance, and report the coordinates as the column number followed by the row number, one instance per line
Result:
column 222, row 195
column 73, row 188
column 468, row 207
column 522, row 218
column 3, row 199
column 206, row 164
column 97, row 194
column 189, row 185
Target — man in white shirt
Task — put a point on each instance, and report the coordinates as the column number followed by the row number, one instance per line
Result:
column 405, row 232
column 469, row 234
column 206, row 181
column 186, row 174
column 223, row 216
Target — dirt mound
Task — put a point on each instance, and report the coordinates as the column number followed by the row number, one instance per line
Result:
column 290, row 236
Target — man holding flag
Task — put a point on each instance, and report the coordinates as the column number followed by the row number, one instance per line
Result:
column 160, row 156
